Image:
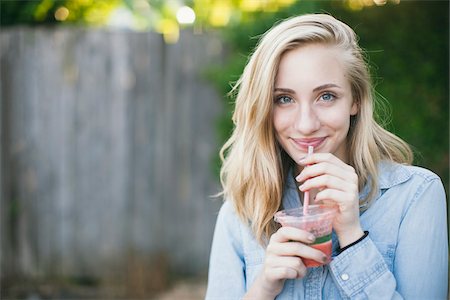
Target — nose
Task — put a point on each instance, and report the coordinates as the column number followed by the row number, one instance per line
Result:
column 307, row 120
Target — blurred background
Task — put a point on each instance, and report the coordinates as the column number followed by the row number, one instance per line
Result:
column 112, row 114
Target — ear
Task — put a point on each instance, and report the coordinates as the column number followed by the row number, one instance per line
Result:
column 355, row 108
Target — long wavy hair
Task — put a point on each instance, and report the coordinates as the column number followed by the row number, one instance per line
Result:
column 254, row 166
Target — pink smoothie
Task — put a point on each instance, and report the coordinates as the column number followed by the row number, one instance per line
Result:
column 318, row 221
column 325, row 248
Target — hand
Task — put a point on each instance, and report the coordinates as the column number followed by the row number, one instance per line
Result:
column 337, row 183
column 283, row 261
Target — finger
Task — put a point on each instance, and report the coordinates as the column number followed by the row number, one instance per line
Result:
column 315, row 170
column 297, row 249
column 286, row 233
column 345, row 200
column 321, row 157
column 326, row 201
column 292, row 262
column 329, row 182
column 282, row 273
column 341, row 198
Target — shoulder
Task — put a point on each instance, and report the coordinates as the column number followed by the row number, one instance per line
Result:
column 394, row 174
column 404, row 192
column 408, row 185
column 231, row 230
column 227, row 212
column 228, row 220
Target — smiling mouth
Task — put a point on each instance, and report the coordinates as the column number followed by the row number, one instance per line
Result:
column 305, row 143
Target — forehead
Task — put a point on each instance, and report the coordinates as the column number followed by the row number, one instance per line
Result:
column 311, row 64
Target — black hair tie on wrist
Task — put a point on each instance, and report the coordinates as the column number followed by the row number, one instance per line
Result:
column 366, row 233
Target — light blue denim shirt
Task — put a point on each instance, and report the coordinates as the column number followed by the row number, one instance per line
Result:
column 405, row 255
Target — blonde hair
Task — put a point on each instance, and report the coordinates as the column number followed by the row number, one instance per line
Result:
column 254, row 166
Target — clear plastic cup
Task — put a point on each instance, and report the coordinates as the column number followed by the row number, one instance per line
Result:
column 318, row 222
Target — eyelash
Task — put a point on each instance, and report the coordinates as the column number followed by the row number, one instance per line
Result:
column 279, row 99
column 333, row 96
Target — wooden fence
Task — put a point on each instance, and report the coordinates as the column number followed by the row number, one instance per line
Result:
column 106, row 141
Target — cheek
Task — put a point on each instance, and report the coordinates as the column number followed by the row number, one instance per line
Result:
column 280, row 122
column 339, row 122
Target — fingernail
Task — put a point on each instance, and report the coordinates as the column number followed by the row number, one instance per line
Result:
column 301, row 187
column 311, row 238
column 298, row 178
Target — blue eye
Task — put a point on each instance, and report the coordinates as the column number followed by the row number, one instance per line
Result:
column 327, row 97
column 283, row 100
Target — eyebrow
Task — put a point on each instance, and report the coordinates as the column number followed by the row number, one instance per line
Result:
column 284, row 90
column 326, row 86
column 319, row 88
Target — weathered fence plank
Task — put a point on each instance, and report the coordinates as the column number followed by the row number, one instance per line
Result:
column 107, row 138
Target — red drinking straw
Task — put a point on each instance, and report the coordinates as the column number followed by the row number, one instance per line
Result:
column 306, row 194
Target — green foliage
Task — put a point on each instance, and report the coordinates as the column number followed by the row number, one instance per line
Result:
column 53, row 12
column 410, row 51
column 407, row 46
column 18, row 12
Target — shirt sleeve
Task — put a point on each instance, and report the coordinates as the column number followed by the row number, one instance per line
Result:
column 421, row 261
column 226, row 276
column 361, row 273
column 421, row 257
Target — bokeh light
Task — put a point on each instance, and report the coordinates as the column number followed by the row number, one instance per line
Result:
column 185, row 15
column 62, row 13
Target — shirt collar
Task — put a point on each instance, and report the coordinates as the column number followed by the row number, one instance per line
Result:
column 391, row 174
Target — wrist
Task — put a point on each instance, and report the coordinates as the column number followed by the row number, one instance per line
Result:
column 349, row 237
column 261, row 290
column 342, row 249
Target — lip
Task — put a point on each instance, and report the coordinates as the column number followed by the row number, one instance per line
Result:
column 304, row 143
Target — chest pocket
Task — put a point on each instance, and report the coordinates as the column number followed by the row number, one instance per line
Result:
column 254, row 261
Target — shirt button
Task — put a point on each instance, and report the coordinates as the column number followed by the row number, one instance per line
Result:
column 345, row 277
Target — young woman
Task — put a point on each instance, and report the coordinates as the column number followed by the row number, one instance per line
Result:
column 307, row 84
